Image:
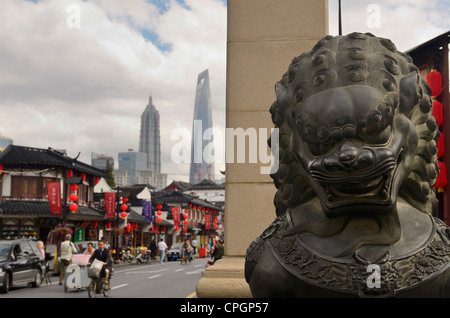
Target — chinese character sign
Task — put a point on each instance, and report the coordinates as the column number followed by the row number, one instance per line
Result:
column 54, row 197
column 147, row 209
column 207, row 221
column 110, row 203
column 176, row 215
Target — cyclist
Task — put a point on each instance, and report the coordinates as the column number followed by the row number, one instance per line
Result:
column 103, row 254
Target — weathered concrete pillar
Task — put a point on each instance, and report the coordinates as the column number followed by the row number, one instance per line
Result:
column 263, row 37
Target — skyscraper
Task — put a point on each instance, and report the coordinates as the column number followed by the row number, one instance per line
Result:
column 149, row 139
column 201, row 167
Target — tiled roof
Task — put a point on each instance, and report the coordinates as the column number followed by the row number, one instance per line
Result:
column 42, row 209
column 28, row 156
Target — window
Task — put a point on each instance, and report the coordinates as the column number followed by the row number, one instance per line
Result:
column 26, row 249
column 26, row 187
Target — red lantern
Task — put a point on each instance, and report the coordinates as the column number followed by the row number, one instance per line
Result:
column 73, row 187
column 185, row 228
column 124, row 207
column 176, row 228
column 438, row 113
column 70, row 173
column 1, row 168
column 95, row 223
column 124, row 200
column 128, row 226
column 186, row 216
column 441, row 180
column 159, row 207
column 159, row 220
column 158, row 212
column 215, row 217
column 73, row 207
column 96, row 180
column 108, row 225
column 135, row 225
column 434, row 80
column 215, row 226
column 186, row 222
column 73, row 197
column 124, row 214
column 440, row 146
column 163, row 229
column 83, row 176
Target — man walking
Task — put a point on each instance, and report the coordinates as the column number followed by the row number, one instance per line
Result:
column 162, row 246
column 67, row 248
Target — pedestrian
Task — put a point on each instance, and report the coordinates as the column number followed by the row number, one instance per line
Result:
column 218, row 251
column 194, row 246
column 153, row 249
column 90, row 249
column 40, row 245
column 162, row 246
column 67, row 248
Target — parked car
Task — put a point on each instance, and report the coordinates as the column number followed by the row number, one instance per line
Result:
column 21, row 263
column 174, row 253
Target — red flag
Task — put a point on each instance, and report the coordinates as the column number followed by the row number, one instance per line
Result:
column 54, row 197
column 110, row 203
column 176, row 215
column 207, row 221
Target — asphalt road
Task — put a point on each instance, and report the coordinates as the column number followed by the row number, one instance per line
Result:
column 155, row 280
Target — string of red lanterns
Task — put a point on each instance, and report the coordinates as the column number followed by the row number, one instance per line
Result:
column 434, row 80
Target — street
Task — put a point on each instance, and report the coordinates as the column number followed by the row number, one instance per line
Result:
column 155, row 280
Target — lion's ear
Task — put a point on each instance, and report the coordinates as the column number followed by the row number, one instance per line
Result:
column 284, row 103
column 407, row 92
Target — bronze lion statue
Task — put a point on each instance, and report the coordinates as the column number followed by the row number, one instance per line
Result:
column 355, row 203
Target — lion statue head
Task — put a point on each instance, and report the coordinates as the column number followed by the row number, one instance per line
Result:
column 356, row 129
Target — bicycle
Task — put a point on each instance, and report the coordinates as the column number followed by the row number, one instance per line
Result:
column 185, row 256
column 97, row 287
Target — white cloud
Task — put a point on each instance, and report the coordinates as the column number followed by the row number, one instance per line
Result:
column 407, row 23
column 84, row 89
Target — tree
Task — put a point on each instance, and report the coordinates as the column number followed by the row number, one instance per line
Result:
column 110, row 178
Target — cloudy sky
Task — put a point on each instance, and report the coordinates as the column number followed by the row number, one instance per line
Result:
column 82, row 84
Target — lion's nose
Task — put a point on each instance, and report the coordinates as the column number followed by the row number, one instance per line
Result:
column 349, row 157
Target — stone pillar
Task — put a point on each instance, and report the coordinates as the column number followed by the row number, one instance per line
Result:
column 263, row 37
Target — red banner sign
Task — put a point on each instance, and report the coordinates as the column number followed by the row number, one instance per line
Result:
column 207, row 221
column 110, row 203
column 54, row 197
column 176, row 215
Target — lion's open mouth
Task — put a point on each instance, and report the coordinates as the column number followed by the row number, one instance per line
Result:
column 369, row 185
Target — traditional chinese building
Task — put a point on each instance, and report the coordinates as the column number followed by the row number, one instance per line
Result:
column 35, row 193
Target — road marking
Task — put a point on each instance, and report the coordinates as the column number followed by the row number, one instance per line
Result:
column 179, row 270
column 199, row 265
column 195, row 272
column 154, row 276
column 147, row 272
column 123, row 285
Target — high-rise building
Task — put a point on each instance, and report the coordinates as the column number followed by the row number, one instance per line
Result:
column 5, row 142
column 132, row 161
column 201, row 167
column 149, row 139
column 100, row 160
